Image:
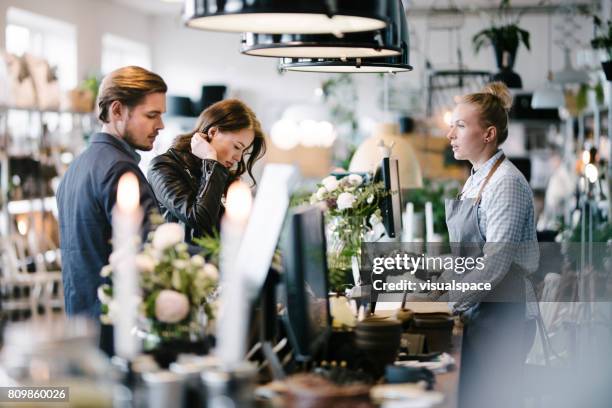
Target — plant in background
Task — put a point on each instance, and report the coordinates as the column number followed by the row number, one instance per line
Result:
column 351, row 210
column 340, row 95
column 178, row 290
column 505, row 36
column 504, row 31
column 603, row 39
column 436, row 193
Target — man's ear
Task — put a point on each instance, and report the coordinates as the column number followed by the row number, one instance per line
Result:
column 116, row 110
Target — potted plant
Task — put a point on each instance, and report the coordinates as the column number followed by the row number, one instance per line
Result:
column 505, row 36
column 603, row 41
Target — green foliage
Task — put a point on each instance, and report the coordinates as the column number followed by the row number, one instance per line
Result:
column 504, row 32
column 91, row 83
column 603, row 39
column 351, row 210
column 436, row 193
column 211, row 246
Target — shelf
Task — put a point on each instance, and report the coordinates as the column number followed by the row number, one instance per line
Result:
column 31, row 205
column 14, row 108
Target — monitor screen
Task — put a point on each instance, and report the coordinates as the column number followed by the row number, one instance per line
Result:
column 391, row 205
column 307, row 314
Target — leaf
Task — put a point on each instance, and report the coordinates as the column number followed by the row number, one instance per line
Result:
column 525, row 38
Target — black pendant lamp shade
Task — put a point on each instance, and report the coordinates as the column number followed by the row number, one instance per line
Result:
column 286, row 16
column 350, row 66
column 352, row 45
column 371, row 44
column 396, row 63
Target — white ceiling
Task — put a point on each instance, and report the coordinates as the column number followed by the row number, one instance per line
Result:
column 160, row 7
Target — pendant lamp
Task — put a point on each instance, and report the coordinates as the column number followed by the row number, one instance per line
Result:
column 391, row 64
column 370, row 44
column 569, row 75
column 548, row 97
column 286, row 16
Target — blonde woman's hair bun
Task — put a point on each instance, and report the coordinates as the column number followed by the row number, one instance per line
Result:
column 500, row 90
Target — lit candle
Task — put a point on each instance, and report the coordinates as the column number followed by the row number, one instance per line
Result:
column 429, row 222
column 233, row 313
column 127, row 219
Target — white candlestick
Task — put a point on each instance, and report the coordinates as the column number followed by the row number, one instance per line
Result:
column 234, row 305
column 409, row 222
column 127, row 219
column 429, row 222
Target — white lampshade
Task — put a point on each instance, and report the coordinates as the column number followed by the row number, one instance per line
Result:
column 368, row 155
column 569, row 75
column 547, row 97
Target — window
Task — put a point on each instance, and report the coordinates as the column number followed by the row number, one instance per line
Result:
column 45, row 37
column 118, row 52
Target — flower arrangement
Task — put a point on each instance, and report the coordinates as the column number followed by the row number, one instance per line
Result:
column 352, row 210
column 177, row 289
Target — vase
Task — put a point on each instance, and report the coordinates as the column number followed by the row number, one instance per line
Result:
column 607, row 68
column 505, row 58
column 344, row 237
column 164, row 341
column 167, row 351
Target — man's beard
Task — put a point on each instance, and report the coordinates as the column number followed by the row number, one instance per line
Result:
column 131, row 140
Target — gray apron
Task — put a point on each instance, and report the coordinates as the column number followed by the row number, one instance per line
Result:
column 493, row 344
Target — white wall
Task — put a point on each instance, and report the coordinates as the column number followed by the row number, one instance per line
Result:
column 92, row 18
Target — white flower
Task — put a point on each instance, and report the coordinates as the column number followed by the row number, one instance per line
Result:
column 211, row 272
column 355, row 179
column 106, row 271
column 330, row 183
column 198, row 261
column 345, row 200
column 167, row 235
column 320, row 194
column 171, row 306
column 102, row 295
column 145, row 263
column 370, row 199
column 375, row 219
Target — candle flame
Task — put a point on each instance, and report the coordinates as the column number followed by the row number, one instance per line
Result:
column 586, row 157
column 22, row 225
column 128, row 193
column 239, row 201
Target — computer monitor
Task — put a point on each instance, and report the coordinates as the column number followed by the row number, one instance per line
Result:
column 307, row 316
column 391, row 204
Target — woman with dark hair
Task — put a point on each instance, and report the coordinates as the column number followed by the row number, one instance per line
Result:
column 191, row 178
